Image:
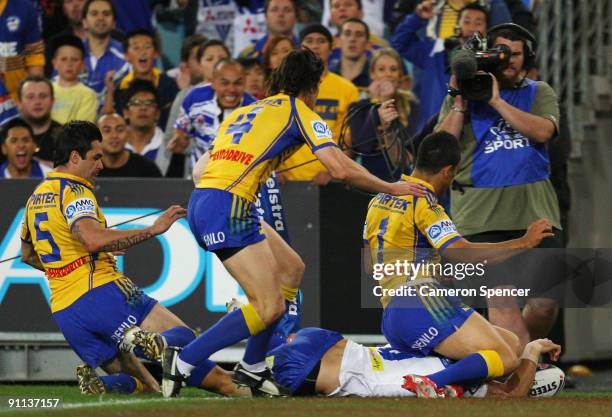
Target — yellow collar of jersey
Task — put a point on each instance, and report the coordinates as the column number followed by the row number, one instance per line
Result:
column 420, row 181
column 125, row 82
column 70, row 177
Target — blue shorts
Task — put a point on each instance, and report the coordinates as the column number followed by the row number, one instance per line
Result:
column 94, row 324
column 293, row 361
column 418, row 323
column 221, row 220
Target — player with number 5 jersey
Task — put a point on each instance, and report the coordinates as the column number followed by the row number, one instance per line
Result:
column 251, row 142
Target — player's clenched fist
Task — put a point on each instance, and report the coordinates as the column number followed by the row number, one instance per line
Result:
column 163, row 222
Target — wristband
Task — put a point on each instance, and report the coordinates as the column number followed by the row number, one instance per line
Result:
column 531, row 354
column 458, row 109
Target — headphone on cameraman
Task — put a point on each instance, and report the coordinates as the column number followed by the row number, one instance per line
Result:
column 529, row 41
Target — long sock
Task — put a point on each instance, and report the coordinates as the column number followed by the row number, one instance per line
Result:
column 232, row 328
column 477, row 366
column 257, row 346
column 199, row 373
column 120, row 383
column 177, row 336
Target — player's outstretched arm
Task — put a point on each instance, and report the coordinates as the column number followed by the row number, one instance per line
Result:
column 497, row 252
column 521, row 380
column 343, row 168
column 29, row 256
column 96, row 238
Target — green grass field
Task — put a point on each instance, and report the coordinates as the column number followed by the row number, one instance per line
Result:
column 198, row 403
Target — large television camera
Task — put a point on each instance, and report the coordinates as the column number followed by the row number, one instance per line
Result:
column 471, row 64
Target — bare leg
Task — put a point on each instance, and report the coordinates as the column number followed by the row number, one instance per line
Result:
column 220, row 381
column 474, row 335
column 160, row 319
column 129, row 364
column 289, row 261
column 506, row 313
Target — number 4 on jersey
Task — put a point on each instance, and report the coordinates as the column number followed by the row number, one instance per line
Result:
column 243, row 124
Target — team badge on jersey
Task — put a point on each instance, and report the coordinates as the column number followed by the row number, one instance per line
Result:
column 12, row 23
column 321, row 130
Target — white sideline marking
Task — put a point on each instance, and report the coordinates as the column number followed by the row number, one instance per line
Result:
column 103, row 403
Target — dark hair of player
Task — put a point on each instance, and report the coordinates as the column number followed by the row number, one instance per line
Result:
column 74, row 136
column 438, row 150
column 208, row 44
column 140, row 86
column 300, row 72
column 89, row 2
column 140, row 32
column 13, row 123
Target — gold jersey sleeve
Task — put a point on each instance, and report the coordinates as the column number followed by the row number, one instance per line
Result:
column 52, row 210
column 254, row 139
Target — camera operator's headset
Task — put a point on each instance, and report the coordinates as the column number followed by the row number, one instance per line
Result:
column 529, row 41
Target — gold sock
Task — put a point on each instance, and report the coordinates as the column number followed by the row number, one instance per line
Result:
column 495, row 365
column 253, row 321
column 289, row 293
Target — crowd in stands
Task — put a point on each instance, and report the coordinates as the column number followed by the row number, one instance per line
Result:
column 387, row 70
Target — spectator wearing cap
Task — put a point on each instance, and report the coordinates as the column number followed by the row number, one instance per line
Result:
column 18, row 147
column 335, row 96
column 73, row 99
column 141, row 51
column 281, row 17
column 117, row 159
column 141, row 110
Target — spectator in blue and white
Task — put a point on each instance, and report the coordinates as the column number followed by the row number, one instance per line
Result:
column 18, row 147
column 141, row 51
column 206, row 106
column 237, row 23
column 8, row 107
column 207, row 55
column 141, row 111
column 430, row 55
column 281, row 18
column 103, row 55
column 353, row 62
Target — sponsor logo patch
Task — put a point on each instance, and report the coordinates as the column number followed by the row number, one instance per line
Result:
column 12, row 23
column 80, row 207
column 321, row 130
column 440, row 230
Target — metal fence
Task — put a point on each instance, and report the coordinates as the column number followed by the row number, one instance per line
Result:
column 575, row 57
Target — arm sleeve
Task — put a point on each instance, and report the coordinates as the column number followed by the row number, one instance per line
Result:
column 546, row 104
column 407, row 42
column 313, row 130
column 79, row 203
column 434, row 223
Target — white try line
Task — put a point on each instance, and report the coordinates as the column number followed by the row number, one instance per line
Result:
column 103, row 403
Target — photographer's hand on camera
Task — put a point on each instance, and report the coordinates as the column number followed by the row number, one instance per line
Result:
column 495, row 97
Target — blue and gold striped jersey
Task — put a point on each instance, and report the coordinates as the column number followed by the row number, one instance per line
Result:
column 252, row 141
column 56, row 204
column 407, row 228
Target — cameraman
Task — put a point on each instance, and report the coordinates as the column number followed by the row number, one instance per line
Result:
column 503, row 179
column 430, row 55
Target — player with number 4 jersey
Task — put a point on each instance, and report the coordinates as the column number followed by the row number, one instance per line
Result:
column 251, row 142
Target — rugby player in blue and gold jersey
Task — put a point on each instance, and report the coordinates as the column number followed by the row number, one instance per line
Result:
column 251, row 142
column 414, row 229
column 64, row 234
